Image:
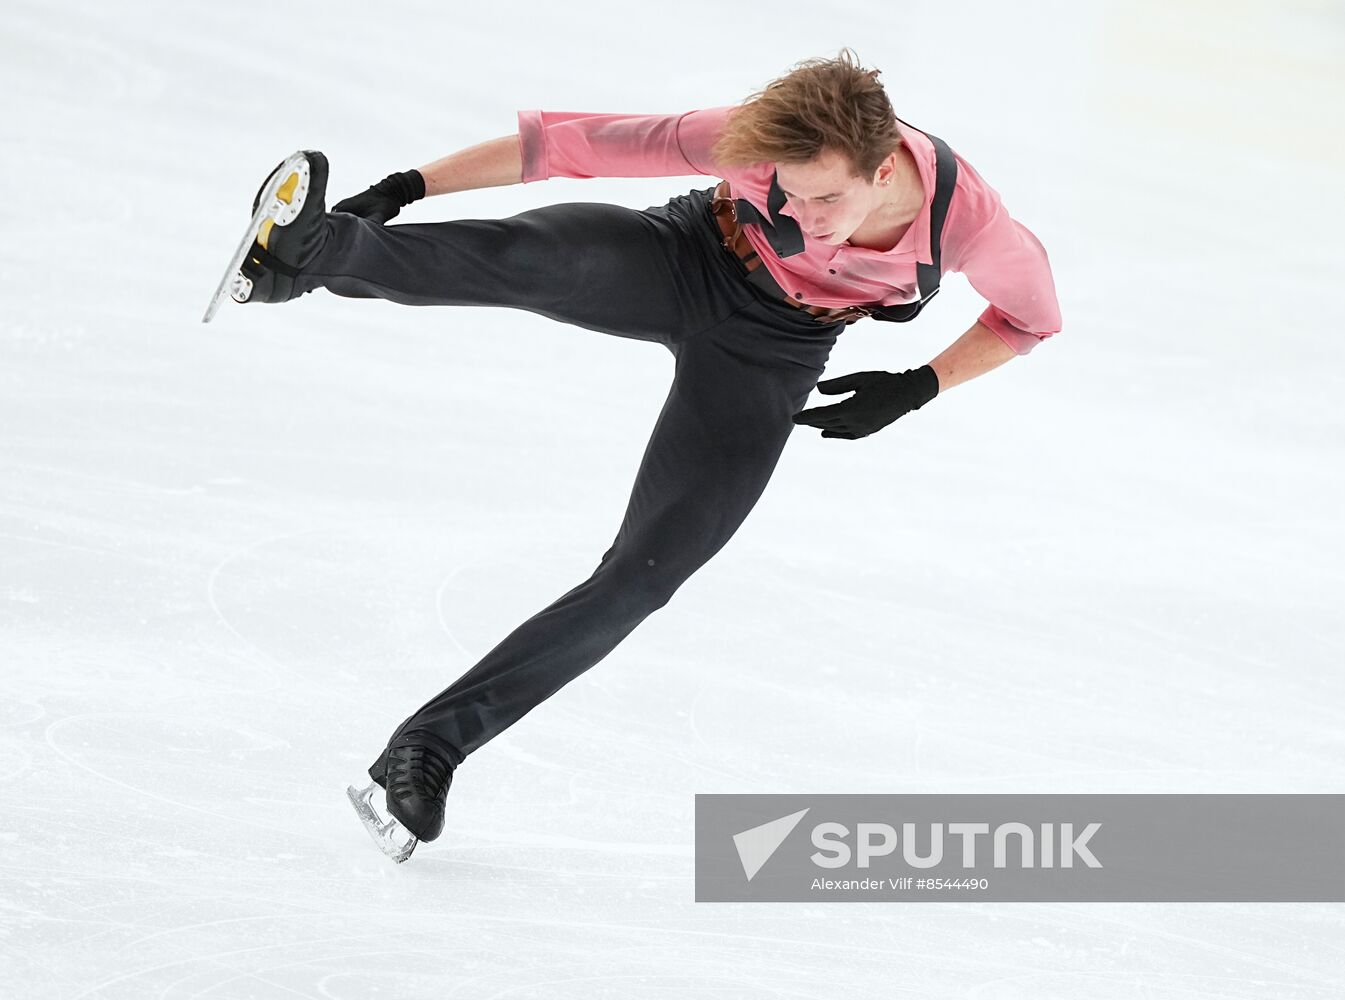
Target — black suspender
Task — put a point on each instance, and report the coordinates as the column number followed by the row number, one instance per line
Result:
column 927, row 275
column 786, row 238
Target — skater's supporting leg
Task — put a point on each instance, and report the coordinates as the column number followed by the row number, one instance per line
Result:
column 714, row 447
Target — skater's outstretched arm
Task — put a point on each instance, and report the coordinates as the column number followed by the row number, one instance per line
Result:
column 493, row 163
column 570, row 144
column 555, row 144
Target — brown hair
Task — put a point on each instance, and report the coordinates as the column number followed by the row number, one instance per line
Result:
column 820, row 104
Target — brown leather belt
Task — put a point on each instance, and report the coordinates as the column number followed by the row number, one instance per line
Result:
column 725, row 211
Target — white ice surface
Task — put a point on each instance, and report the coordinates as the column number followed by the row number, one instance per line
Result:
column 233, row 557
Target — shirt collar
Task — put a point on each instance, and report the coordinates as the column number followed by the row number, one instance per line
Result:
column 922, row 151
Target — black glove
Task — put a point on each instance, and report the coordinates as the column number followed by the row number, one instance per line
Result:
column 879, row 398
column 384, row 200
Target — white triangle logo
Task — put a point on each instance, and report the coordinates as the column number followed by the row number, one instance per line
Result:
column 755, row 846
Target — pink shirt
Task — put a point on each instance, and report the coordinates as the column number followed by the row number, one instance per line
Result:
column 999, row 256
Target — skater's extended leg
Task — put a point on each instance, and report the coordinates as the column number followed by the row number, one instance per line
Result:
column 714, row 447
column 604, row 267
column 655, row 274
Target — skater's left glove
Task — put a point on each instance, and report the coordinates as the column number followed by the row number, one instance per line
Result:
column 384, row 200
column 879, row 398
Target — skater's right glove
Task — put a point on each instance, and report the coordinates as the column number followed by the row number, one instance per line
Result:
column 386, row 199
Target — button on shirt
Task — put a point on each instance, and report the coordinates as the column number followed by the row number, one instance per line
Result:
column 1001, row 258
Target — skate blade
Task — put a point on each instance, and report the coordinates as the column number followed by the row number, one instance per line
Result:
column 279, row 204
column 393, row 839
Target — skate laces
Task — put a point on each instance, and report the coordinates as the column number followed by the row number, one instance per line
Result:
column 427, row 770
column 434, row 770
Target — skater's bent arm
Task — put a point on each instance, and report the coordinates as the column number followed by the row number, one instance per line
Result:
column 974, row 353
column 1006, row 263
column 493, row 163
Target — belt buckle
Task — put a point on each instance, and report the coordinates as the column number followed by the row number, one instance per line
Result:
column 727, row 240
column 716, row 200
column 846, row 314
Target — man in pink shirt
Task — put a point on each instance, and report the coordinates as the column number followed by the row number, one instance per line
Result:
column 829, row 209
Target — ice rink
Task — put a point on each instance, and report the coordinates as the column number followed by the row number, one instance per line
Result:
column 233, row 557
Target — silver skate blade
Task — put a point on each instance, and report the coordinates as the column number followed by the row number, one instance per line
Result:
column 264, row 209
column 393, row 839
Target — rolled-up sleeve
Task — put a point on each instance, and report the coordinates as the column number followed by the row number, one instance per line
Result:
column 1008, row 267
column 579, row 144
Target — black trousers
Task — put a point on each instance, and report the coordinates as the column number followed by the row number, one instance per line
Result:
column 745, row 365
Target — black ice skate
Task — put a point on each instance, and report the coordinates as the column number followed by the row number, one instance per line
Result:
column 287, row 229
column 416, row 771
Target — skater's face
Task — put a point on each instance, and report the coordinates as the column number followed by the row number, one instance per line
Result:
column 830, row 202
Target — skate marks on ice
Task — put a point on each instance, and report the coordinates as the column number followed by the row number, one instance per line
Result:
column 387, row 834
column 439, row 610
column 139, row 753
column 504, row 879
column 275, row 668
column 277, row 595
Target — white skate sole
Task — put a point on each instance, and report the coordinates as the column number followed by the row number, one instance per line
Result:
column 280, row 202
column 393, row 839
